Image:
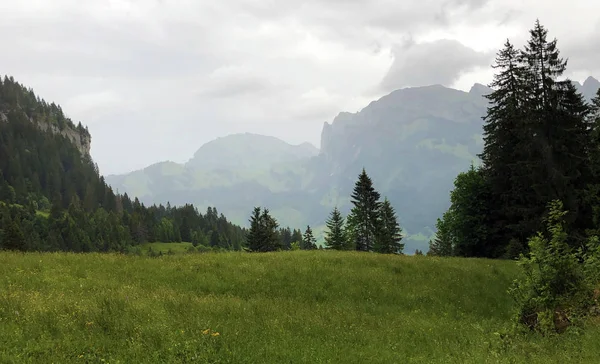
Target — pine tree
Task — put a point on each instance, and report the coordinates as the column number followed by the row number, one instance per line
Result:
column 335, row 237
column 390, row 233
column 308, row 240
column 363, row 220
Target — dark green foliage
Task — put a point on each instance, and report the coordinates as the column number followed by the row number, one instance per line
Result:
column 442, row 244
column 263, row 235
column 335, row 237
column 468, row 216
column 418, row 252
column 389, row 234
column 308, row 240
column 363, row 220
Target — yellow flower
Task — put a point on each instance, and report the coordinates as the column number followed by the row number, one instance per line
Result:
column 215, row 334
column 205, row 332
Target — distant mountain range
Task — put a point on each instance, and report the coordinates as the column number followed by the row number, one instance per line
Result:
column 412, row 142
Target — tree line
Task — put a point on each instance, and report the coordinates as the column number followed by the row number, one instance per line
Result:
column 53, row 198
column 371, row 226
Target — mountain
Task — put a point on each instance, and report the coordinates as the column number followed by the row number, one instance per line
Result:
column 589, row 87
column 412, row 142
column 248, row 151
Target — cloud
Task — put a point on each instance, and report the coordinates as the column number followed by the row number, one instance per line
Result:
column 164, row 76
column 438, row 62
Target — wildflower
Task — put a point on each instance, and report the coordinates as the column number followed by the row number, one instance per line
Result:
column 205, row 332
column 215, row 334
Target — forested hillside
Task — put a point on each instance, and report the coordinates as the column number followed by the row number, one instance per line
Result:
column 52, row 196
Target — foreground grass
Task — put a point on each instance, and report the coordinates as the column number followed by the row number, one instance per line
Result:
column 289, row 307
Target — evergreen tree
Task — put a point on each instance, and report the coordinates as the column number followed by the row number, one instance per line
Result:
column 308, row 240
column 363, row 220
column 390, row 233
column 335, row 237
column 441, row 245
column 262, row 235
column 561, row 138
column 507, row 139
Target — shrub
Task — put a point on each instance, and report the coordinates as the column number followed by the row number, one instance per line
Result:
column 553, row 292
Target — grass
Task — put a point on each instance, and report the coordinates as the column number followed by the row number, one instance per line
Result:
column 288, row 307
column 176, row 248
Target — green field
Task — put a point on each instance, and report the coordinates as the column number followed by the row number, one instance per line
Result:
column 288, row 307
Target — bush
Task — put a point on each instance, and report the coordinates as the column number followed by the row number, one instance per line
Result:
column 554, row 291
column 203, row 249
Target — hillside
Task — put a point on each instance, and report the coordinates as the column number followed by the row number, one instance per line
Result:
column 52, row 197
column 412, row 142
column 278, row 308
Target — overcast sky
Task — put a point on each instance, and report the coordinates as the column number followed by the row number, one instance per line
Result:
column 155, row 79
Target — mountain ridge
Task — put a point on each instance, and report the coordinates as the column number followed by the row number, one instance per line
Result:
column 412, row 142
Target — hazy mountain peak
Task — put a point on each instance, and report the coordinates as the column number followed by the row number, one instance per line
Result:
column 248, row 151
column 591, row 82
column 480, row 89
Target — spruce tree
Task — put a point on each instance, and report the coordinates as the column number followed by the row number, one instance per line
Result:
column 363, row 220
column 390, row 233
column 557, row 112
column 308, row 240
column 507, row 138
column 255, row 235
column 335, row 237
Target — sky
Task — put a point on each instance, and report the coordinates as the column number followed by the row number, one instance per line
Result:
column 155, row 79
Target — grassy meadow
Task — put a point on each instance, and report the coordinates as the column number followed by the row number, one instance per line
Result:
column 287, row 307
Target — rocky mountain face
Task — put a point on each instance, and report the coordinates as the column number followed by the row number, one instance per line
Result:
column 79, row 136
column 412, row 142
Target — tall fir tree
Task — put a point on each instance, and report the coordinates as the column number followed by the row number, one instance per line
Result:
column 558, row 115
column 390, row 233
column 335, row 237
column 507, row 135
column 363, row 220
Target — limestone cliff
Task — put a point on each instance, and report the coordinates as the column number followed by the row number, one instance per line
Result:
column 77, row 135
